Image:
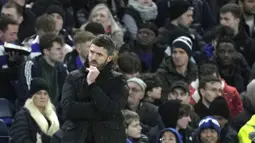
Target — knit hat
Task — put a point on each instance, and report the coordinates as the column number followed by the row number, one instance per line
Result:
column 149, row 25
column 177, row 8
column 138, row 81
column 56, row 9
column 209, row 123
column 180, row 84
column 172, row 130
column 38, row 84
column 95, row 28
column 220, row 107
column 184, row 43
column 169, row 113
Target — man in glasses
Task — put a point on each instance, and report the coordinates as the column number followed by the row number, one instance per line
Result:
column 93, row 98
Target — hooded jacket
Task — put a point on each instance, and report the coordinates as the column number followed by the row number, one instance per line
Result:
column 177, row 135
column 247, row 132
column 249, row 108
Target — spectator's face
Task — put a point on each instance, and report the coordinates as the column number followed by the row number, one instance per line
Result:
column 248, row 6
column 209, row 136
column 55, row 53
column 136, row 93
column 180, row 57
column 186, row 19
column 155, row 93
column 146, row 37
column 227, row 19
column 101, row 16
column 12, row 12
column 211, row 91
column 183, row 122
column 10, row 35
column 83, row 49
column 58, row 21
column 134, row 129
column 179, row 94
column 168, row 137
column 98, row 56
column 145, row 2
column 41, row 99
column 226, row 53
column 20, row 2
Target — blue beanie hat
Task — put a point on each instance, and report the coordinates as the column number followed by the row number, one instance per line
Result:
column 209, row 122
column 172, row 130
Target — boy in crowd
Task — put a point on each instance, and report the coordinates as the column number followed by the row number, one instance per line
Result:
column 133, row 127
column 169, row 135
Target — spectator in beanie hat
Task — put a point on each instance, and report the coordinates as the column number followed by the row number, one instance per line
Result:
column 178, row 66
column 146, row 48
column 37, row 121
column 208, row 131
column 59, row 16
column 95, row 28
column 179, row 91
column 220, row 110
column 137, row 89
column 169, row 135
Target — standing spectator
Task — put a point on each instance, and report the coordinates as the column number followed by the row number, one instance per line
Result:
column 230, row 93
column 101, row 14
column 230, row 15
column 220, row 111
column 90, row 103
column 76, row 59
column 137, row 13
column 47, row 66
column 133, row 127
column 37, row 121
column 178, row 66
column 137, row 88
column 209, row 88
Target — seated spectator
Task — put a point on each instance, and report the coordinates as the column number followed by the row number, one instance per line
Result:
column 178, row 119
column 178, row 66
column 137, row 89
column 37, row 121
column 95, row 28
column 138, row 12
column 101, row 14
column 129, row 64
column 208, row 131
column 169, row 135
column 230, row 69
column 153, row 89
column 59, row 16
column 229, row 93
column 47, row 66
column 220, row 111
column 44, row 24
column 76, row 59
column 133, row 127
column 146, row 48
column 209, row 88
column 248, row 108
column 246, row 133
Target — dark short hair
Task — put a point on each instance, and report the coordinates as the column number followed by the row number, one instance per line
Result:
column 207, row 79
column 225, row 39
column 106, row 42
column 12, row 4
column 208, row 69
column 232, row 8
column 46, row 23
column 47, row 40
column 185, row 110
column 129, row 117
column 151, row 80
column 5, row 21
column 82, row 37
column 129, row 63
column 217, row 32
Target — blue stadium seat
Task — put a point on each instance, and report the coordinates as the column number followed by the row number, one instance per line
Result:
column 6, row 111
column 4, row 133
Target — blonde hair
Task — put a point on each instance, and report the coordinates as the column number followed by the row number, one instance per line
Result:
column 129, row 117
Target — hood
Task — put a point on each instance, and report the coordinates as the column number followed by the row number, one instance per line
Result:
column 177, row 135
column 249, row 99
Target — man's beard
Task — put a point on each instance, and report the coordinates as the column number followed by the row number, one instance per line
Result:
column 101, row 66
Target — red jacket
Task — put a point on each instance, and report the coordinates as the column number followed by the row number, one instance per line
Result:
column 230, row 94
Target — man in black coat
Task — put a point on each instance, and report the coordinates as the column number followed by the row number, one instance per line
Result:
column 93, row 98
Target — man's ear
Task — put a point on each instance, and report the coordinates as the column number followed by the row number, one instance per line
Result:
column 202, row 92
column 45, row 51
column 21, row 19
column 110, row 58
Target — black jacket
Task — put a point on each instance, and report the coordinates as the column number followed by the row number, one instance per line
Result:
column 94, row 111
column 26, row 129
column 70, row 61
column 228, row 135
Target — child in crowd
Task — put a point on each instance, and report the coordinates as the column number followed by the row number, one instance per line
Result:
column 169, row 135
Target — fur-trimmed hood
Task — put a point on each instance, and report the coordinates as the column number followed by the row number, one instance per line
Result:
column 41, row 118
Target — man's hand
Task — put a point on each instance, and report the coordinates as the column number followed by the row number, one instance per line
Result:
column 13, row 56
column 92, row 75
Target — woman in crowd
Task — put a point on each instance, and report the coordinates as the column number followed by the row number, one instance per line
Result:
column 101, row 14
column 37, row 121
